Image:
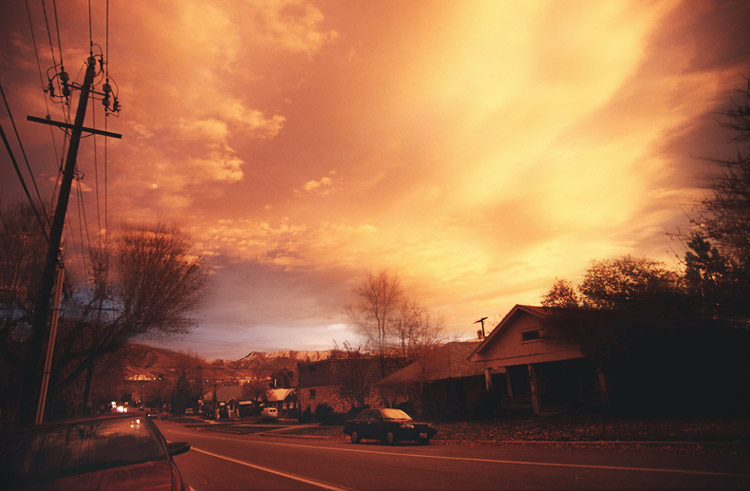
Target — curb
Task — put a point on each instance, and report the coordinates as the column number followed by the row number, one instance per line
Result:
column 310, row 437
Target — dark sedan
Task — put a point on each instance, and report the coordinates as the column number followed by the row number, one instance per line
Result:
column 122, row 451
column 389, row 426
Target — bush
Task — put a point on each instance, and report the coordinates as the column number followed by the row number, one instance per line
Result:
column 324, row 413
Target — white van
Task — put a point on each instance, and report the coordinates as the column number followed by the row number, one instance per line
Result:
column 269, row 413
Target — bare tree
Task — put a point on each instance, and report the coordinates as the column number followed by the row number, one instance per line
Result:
column 426, row 336
column 377, row 299
column 721, row 235
column 354, row 373
column 147, row 281
column 416, row 332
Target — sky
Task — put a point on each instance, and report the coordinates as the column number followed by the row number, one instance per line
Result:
column 477, row 149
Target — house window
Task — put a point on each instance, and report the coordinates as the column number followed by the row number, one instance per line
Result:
column 312, row 393
column 310, row 369
column 530, row 335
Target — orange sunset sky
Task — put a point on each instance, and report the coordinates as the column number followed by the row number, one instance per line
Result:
column 479, row 149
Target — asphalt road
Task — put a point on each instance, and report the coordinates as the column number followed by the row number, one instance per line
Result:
column 220, row 461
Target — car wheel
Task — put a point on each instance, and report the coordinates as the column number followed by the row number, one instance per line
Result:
column 390, row 438
column 355, row 437
column 423, row 441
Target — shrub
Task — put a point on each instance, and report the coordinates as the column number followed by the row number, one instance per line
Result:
column 323, row 413
column 306, row 415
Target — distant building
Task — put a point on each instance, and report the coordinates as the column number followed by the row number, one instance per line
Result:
column 284, row 400
column 343, row 383
column 224, row 402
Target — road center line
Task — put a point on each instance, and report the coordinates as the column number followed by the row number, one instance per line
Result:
column 305, row 480
column 499, row 461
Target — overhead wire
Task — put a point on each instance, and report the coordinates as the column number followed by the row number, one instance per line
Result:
column 49, row 35
column 57, row 28
column 96, row 172
column 41, row 77
column 66, row 115
column 106, row 118
column 25, row 157
column 91, row 37
column 23, row 183
column 85, row 240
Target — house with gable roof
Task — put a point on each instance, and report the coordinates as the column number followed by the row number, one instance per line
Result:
column 442, row 383
column 527, row 366
column 284, row 400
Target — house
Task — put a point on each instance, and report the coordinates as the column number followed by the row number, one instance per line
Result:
column 342, row 383
column 224, row 402
column 284, row 400
column 527, row 366
column 441, row 383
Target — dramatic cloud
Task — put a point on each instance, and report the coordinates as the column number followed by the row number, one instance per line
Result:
column 479, row 149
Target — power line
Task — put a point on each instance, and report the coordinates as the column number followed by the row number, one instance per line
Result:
column 57, row 28
column 18, row 170
column 49, row 35
column 23, row 152
column 106, row 118
column 23, row 184
column 96, row 174
column 81, row 224
column 91, row 37
column 41, row 77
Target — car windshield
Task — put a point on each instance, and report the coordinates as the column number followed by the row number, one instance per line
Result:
column 394, row 414
column 75, row 448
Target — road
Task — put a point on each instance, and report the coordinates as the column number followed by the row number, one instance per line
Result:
column 220, row 461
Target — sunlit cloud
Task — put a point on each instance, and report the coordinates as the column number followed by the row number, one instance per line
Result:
column 479, row 149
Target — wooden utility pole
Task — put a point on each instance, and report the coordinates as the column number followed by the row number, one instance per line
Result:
column 31, row 377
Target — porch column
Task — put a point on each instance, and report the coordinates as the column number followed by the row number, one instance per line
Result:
column 507, row 382
column 488, row 378
column 603, row 386
column 534, row 389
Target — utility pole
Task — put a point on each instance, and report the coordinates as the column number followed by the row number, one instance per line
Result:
column 31, row 377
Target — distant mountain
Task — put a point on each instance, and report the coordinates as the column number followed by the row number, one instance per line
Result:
column 142, row 362
column 301, row 356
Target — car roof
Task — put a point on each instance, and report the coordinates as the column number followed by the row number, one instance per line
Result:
column 87, row 419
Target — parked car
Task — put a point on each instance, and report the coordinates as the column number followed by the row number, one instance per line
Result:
column 189, row 411
column 269, row 413
column 119, row 451
column 389, row 426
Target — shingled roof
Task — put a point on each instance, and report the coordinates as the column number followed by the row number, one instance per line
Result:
column 449, row 362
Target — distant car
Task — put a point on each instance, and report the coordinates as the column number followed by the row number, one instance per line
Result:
column 269, row 413
column 189, row 411
column 119, row 451
column 389, row 426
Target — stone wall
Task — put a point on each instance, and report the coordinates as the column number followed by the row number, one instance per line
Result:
column 330, row 395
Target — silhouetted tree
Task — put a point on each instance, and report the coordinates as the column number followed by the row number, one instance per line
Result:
column 718, row 257
column 562, row 294
column 147, row 280
column 377, row 298
column 642, row 326
column 415, row 331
